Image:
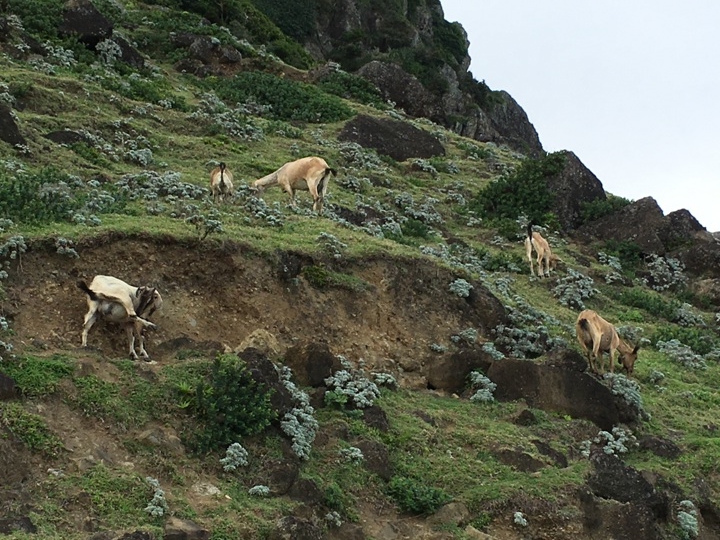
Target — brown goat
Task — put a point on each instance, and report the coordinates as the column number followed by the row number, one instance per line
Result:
column 597, row 336
column 534, row 240
column 308, row 173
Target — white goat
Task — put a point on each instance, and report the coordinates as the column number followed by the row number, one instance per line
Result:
column 534, row 240
column 308, row 173
column 118, row 302
column 597, row 336
column 221, row 183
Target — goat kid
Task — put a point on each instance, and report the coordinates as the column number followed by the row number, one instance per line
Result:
column 221, row 183
column 116, row 301
column 307, row 174
column 534, row 240
column 597, row 336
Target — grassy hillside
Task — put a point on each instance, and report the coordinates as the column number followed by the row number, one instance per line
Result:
column 128, row 195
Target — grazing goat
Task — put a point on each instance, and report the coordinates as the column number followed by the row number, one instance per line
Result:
column 118, row 302
column 308, row 173
column 221, row 183
column 597, row 336
column 544, row 253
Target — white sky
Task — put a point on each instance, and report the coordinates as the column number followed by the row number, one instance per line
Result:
column 632, row 87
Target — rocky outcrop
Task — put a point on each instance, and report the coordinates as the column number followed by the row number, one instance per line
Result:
column 9, row 131
column 399, row 140
column 403, row 89
column 570, row 392
column 573, row 187
column 82, row 20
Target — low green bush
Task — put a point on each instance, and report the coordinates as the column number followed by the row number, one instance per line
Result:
column 415, row 497
column 230, row 405
column 523, row 192
column 290, row 100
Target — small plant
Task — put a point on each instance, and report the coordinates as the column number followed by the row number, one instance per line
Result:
column 415, row 497
column 31, row 429
column 385, row 379
column 235, row 456
column 331, row 245
column 66, row 247
column 299, row 424
column 358, row 390
column 469, row 336
column 575, row 287
column 483, row 387
column 519, row 519
column 687, row 518
column 351, row 455
column 618, row 442
column 461, row 288
column 158, row 506
column 665, row 273
column 259, row 491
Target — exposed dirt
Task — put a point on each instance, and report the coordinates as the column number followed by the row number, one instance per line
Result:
column 220, row 293
column 224, row 293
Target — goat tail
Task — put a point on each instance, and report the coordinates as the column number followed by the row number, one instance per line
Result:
column 83, row 287
column 322, row 185
column 583, row 323
column 529, row 230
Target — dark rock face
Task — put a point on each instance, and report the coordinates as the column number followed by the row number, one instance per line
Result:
column 521, row 461
column 613, row 479
column 393, row 138
column 575, row 185
column 65, row 136
column 660, row 447
column 83, row 20
column 513, row 127
column 403, row 89
column 449, row 372
column 554, row 389
column 8, row 389
column 9, row 131
column 376, row 458
column 604, row 518
column 263, row 371
column 312, row 363
column 207, row 56
column 294, row 528
column 375, row 417
column 184, row 529
column 638, row 222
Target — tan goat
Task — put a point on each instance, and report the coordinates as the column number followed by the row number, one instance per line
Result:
column 221, row 183
column 116, row 301
column 308, row 173
column 534, row 240
column 597, row 336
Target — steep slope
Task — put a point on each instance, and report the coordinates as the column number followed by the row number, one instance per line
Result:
column 413, row 274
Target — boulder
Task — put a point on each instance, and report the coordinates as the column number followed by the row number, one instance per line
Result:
column 403, row 89
column 571, row 188
column 9, row 131
column 399, row 140
column 638, row 222
column 311, row 363
column 559, row 390
column 81, row 19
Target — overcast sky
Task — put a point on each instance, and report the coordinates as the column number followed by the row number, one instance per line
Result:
column 632, row 87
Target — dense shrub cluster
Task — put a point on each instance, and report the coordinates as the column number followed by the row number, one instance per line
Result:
column 522, row 192
column 590, row 211
column 415, row 497
column 230, row 404
column 289, row 100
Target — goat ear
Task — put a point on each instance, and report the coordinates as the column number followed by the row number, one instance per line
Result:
column 636, row 349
